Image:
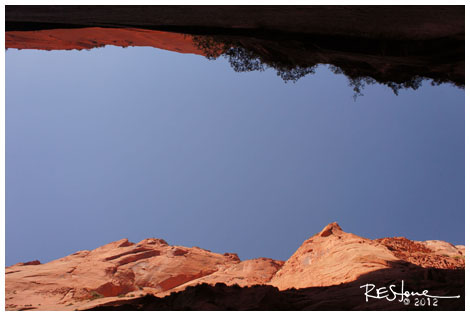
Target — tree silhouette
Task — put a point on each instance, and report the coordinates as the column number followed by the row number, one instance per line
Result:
column 292, row 61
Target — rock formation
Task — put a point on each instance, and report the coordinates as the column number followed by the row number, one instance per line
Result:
column 333, row 257
column 398, row 46
column 120, row 272
column 93, row 37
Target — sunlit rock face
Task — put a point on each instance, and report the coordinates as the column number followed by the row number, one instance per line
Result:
column 94, row 37
column 123, row 270
column 333, row 257
column 110, row 271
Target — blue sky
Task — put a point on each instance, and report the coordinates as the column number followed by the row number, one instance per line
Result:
column 134, row 143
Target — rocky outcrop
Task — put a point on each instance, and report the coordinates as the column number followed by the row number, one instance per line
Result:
column 112, row 270
column 246, row 273
column 94, row 37
column 398, row 46
column 324, row 266
column 431, row 253
column 332, row 257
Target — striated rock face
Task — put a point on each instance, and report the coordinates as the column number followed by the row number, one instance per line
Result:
column 111, row 270
column 329, row 265
column 333, row 257
column 246, row 273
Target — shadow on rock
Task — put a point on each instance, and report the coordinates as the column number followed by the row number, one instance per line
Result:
column 345, row 296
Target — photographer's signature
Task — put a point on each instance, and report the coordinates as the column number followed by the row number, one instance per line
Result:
column 390, row 293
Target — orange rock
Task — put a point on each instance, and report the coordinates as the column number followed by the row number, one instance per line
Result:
column 461, row 249
column 93, row 37
column 426, row 254
column 245, row 273
column 121, row 269
column 333, row 257
column 115, row 269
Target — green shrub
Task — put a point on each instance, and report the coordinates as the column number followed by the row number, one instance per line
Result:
column 95, row 295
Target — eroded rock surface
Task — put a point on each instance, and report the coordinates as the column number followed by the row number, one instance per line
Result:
column 333, row 260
